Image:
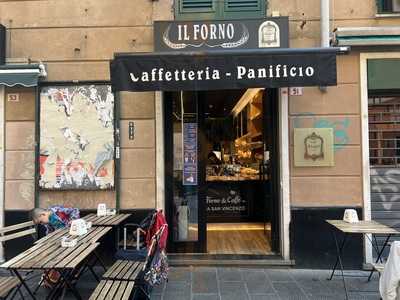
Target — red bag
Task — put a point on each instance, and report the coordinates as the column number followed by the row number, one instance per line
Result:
column 159, row 221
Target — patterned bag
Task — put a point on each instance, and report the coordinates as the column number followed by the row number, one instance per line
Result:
column 158, row 271
column 50, row 278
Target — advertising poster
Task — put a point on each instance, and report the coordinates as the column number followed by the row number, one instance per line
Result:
column 189, row 153
column 77, row 137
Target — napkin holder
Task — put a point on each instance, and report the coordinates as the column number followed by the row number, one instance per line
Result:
column 350, row 216
column 78, row 227
column 102, row 210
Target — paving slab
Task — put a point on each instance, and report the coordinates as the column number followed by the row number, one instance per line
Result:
column 230, row 283
column 205, row 281
column 229, row 274
column 206, row 297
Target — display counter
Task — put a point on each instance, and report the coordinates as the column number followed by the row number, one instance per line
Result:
column 243, row 177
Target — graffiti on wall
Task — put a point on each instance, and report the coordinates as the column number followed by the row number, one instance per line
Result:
column 77, row 137
column 385, row 187
column 340, row 127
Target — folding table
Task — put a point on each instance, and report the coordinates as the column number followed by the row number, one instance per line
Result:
column 93, row 235
column 112, row 221
column 361, row 227
column 69, row 262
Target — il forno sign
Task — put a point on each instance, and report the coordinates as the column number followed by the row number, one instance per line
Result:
column 219, row 35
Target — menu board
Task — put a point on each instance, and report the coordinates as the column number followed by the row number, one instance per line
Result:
column 189, row 154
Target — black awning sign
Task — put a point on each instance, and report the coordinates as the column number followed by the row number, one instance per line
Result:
column 191, row 71
column 241, row 73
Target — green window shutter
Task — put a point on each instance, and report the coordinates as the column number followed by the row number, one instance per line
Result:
column 242, row 5
column 188, row 6
column 242, row 9
column 379, row 6
column 219, row 9
column 383, row 74
column 196, row 9
column 384, row 6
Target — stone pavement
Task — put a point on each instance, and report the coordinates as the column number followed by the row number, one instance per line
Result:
column 223, row 283
column 208, row 283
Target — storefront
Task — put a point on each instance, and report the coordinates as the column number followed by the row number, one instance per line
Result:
column 225, row 132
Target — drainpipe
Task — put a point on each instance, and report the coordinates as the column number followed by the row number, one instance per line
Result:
column 2, row 131
column 325, row 32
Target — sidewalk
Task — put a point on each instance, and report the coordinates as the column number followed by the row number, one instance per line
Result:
column 203, row 283
column 209, row 283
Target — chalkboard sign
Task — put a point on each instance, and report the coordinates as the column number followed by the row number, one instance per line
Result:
column 226, row 200
column 2, row 45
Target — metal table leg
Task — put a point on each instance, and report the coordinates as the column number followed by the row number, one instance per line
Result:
column 55, row 289
column 379, row 254
column 68, row 283
column 118, row 237
column 339, row 259
column 24, row 284
column 98, row 259
column 376, row 247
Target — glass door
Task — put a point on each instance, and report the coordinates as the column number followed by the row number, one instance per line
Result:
column 184, row 175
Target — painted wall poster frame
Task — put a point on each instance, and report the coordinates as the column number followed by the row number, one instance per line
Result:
column 76, row 137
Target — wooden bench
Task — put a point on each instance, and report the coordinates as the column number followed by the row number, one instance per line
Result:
column 8, row 233
column 16, row 231
column 124, row 270
column 113, row 289
column 130, row 273
column 7, row 285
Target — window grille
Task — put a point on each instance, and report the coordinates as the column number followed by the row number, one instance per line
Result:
column 384, row 131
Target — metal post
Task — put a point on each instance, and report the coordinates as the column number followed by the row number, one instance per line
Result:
column 37, row 146
column 2, row 152
column 117, row 140
column 325, row 31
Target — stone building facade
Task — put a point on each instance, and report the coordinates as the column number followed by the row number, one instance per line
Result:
column 76, row 39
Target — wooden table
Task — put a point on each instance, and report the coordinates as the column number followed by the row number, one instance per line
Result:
column 94, row 235
column 114, row 220
column 69, row 262
column 363, row 228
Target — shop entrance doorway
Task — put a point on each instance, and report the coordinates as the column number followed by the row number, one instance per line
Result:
column 221, row 171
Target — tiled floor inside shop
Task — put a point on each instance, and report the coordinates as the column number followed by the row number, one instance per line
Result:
column 211, row 283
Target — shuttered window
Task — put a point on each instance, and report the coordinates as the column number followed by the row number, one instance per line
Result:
column 388, row 6
column 197, row 6
column 242, row 5
column 219, row 9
